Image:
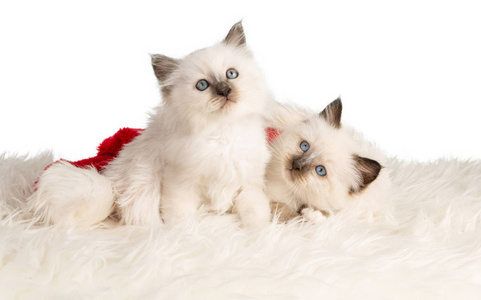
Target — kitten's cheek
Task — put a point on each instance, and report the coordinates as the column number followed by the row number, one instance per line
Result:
column 292, row 175
column 234, row 94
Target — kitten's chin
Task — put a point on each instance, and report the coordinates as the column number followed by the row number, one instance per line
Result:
column 224, row 105
column 228, row 103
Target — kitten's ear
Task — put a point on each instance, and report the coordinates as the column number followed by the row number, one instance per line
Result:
column 332, row 113
column 236, row 35
column 163, row 66
column 368, row 169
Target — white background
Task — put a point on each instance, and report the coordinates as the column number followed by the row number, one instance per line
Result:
column 409, row 72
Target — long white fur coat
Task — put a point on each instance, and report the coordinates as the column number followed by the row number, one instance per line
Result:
column 431, row 251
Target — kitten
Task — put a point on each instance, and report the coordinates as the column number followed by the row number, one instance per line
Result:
column 319, row 166
column 204, row 146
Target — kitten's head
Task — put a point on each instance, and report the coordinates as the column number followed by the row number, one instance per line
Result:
column 220, row 80
column 314, row 163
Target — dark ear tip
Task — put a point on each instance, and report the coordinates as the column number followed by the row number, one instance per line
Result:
column 337, row 102
column 368, row 168
column 378, row 167
column 154, row 58
column 163, row 65
column 236, row 35
column 375, row 165
column 332, row 113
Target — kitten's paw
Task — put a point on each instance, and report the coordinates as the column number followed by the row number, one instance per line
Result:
column 68, row 196
column 141, row 210
column 180, row 215
column 312, row 215
column 180, row 207
column 252, row 206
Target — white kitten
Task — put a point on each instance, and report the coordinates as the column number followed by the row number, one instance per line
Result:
column 204, row 146
column 317, row 165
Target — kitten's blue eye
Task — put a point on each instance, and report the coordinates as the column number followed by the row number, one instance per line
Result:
column 321, row 171
column 232, row 74
column 304, row 146
column 202, row 85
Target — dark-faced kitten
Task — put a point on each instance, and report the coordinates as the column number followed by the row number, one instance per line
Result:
column 320, row 165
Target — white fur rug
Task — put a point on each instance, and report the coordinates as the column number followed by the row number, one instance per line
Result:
column 434, row 252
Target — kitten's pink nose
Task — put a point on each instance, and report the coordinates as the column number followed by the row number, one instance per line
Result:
column 222, row 89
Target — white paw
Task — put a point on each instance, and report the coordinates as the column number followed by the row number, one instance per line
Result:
column 256, row 219
column 68, row 196
column 312, row 215
column 139, row 206
column 180, row 207
column 252, row 206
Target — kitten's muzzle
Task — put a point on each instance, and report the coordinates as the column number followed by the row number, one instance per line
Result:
column 300, row 164
column 222, row 89
column 299, row 167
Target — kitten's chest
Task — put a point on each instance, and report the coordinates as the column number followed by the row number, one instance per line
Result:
column 231, row 140
column 231, row 147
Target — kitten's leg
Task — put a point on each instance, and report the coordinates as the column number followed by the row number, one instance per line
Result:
column 179, row 204
column 137, row 182
column 140, row 206
column 252, row 206
column 68, row 196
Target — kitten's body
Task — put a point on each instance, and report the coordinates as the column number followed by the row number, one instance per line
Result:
column 354, row 181
column 205, row 145
column 193, row 166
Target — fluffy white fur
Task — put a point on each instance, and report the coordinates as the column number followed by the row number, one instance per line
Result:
column 17, row 177
column 432, row 251
column 334, row 146
column 68, row 196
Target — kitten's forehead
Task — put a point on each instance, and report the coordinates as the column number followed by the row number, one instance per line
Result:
column 331, row 142
column 313, row 129
column 216, row 59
